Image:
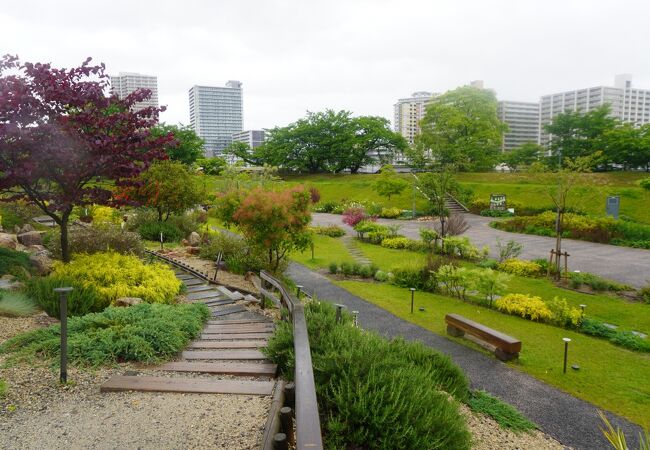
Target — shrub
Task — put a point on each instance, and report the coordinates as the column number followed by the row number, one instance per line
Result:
column 490, row 283
column 327, row 207
column 314, row 195
column 356, row 268
column 495, row 213
column 368, row 226
column 144, row 333
column 563, row 315
column 625, row 339
column 429, row 236
column 366, row 271
column 347, row 269
column 353, row 216
column 488, row 263
column 526, row 306
column 251, row 260
column 18, row 213
column 412, row 274
column 16, row 304
column 400, row 243
column 114, row 276
column 381, row 276
column 390, row 213
column 96, row 239
column 82, row 300
column 329, row 230
column 333, row 268
column 520, row 268
column 456, row 280
column 14, row 263
column 186, row 223
column 645, row 184
column 509, row 250
column 459, row 247
column 151, row 231
column 504, row 414
column 224, row 243
column 644, row 293
column 105, row 215
column 577, row 279
column 371, row 390
column 456, row 224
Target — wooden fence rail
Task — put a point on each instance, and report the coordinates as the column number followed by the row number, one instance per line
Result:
column 308, row 431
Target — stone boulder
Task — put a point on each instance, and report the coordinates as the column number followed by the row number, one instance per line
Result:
column 26, row 229
column 194, row 239
column 193, row 250
column 30, row 238
column 41, row 262
column 37, row 250
column 127, row 301
column 185, row 243
column 8, row 241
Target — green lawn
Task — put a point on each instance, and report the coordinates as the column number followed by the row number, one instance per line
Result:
column 609, row 377
column 326, row 250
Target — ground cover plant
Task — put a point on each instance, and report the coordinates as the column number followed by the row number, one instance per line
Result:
column 375, row 393
column 504, row 414
column 144, row 333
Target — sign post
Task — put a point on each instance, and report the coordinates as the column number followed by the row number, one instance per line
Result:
column 498, row 202
column 613, row 205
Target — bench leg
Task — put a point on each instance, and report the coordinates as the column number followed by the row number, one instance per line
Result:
column 504, row 356
column 456, row 332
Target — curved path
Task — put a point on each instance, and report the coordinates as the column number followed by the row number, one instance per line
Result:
column 568, row 419
column 626, row 265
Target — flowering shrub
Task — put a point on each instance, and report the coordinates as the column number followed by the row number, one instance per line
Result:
column 354, row 215
column 521, row 268
column 526, row 306
column 113, row 276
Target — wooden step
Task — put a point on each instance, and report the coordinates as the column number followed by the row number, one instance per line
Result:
column 227, row 344
column 229, row 310
column 187, row 385
column 241, row 321
column 230, row 294
column 225, row 368
column 185, row 276
column 212, row 329
column 193, row 282
column 216, row 302
column 205, row 294
column 232, row 337
column 199, row 288
column 222, row 354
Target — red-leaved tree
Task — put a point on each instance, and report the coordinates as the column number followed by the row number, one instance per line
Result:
column 65, row 143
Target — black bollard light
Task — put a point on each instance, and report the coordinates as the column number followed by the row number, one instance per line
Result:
column 63, row 309
column 355, row 318
column 412, row 298
column 566, row 351
column 339, row 309
column 298, row 290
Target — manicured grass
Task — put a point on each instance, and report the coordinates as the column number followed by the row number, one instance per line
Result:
column 387, row 258
column 326, row 250
column 609, row 376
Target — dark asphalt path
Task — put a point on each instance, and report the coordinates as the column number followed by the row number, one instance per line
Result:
column 571, row 421
column 626, row 265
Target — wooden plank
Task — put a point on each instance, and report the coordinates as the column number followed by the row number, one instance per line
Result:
column 236, row 329
column 222, row 354
column 500, row 340
column 225, row 368
column 229, row 336
column 229, row 310
column 193, row 282
column 241, row 321
column 199, row 288
column 227, row 344
column 212, row 303
column 230, row 294
column 205, row 294
column 187, row 385
column 185, row 276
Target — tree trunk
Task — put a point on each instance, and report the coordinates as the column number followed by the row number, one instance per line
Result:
column 160, row 215
column 65, row 250
column 558, row 243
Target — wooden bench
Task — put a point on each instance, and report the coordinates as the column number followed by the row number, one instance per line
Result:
column 506, row 347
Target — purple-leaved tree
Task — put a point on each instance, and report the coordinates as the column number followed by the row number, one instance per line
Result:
column 64, row 142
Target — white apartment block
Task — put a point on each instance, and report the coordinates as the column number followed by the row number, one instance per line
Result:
column 127, row 82
column 627, row 104
column 408, row 113
column 216, row 113
column 254, row 138
column 523, row 123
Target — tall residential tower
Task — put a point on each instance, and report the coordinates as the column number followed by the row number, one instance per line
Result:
column 522, row 119
column 408, row 113
column 127, row 82
column 216, row 113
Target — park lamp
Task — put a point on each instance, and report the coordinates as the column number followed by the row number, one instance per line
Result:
column 412, row 297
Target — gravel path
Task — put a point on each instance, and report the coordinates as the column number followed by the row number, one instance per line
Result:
column 626, row 265
column 571, row 421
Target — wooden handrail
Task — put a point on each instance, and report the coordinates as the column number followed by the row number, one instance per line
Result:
column 308, row 431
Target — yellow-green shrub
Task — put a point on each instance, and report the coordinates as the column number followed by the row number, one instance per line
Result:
column 105, row 215
column 398, row 242
column 563, row 314
column 113, row 276
column 521, row 268
column 526, row 306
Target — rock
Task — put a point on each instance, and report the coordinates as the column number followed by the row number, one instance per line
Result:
column 30, row 238
column 127, row 301
column 41, row 262
column 16, row 229
column 185, row 243
column 193, row 250
column 37, row 250
column 26, row 229
column 194, row 239
column 8, row 241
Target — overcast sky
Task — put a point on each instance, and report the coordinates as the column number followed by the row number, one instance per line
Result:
column 294, row 56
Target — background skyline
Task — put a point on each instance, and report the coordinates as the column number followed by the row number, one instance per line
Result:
column 359, row 55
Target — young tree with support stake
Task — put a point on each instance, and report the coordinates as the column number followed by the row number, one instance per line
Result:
column 64, row 143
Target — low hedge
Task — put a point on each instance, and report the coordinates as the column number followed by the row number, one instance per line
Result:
column 375, row 393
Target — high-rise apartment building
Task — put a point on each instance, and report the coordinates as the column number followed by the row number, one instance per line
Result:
column 627, row 103
column 408, row 113
column 127, row 82
column 522, row 119
column 216, row 113
column 254, row 138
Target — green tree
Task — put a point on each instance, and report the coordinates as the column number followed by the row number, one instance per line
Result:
column 576, row 134
column 460, row 128
column 373, row 142
column 628, row 146
column 212, row 166
column 186, row 147
column 388, row 183
column 435, row 186
column 524, row 155
column 168, row 187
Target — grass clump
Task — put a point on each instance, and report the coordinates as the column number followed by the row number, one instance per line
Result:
column 3, row 388
column 505, row 415
column 144, row 333
column 375, row 393
column 16, row 304
column 81, row 301
column 14, row 263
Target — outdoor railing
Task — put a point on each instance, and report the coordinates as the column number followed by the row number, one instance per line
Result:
column 308, row 431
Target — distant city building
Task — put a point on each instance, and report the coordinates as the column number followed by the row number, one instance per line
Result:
column 522, row 119
column 216, row 113
column 254, row 138
column 627, row 104
column 127, row 82
column 408, row 113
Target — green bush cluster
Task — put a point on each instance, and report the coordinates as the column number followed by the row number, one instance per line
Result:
column 411, row 274
column 530, row 307
column 460, row 247
column 14, row 263
column 402, row 243
column 18, row 213
column 390, row 213
column 83, row 299
column 329, row 230
column 520, row 267
column 495, row 213
column 578, row 279
column 145, row 333
column 353, row 269
column 645, row 183
column 625, row 339
column 374, row 393
column 238, row 255
column 504, row 414
column 94, row 239
column 151, row 231
column 644, row 293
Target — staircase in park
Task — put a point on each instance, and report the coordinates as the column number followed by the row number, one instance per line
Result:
column 454, row 206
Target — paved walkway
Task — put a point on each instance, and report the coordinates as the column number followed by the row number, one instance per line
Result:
column 571, row 421
column 623, row 264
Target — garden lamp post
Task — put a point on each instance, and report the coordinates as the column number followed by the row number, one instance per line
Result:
column 566, row 351
column 161, row 240
column 412, row 298
column 582, row 311
column 63, row 309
